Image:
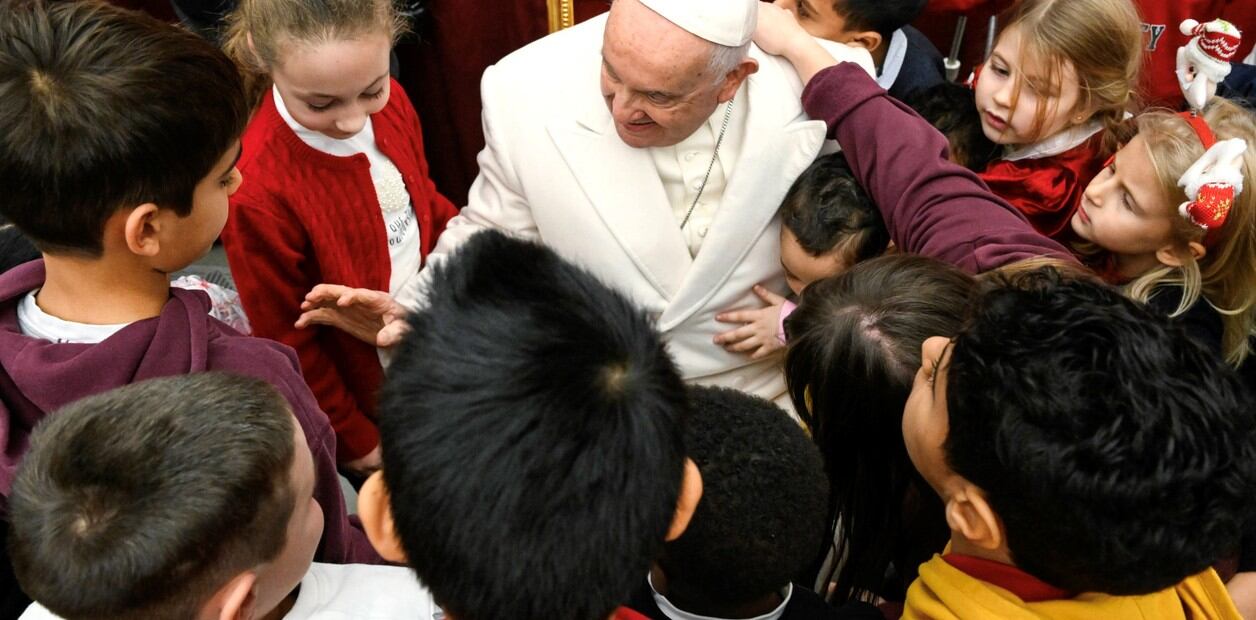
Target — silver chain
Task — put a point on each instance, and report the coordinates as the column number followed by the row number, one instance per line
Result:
column 728, row 114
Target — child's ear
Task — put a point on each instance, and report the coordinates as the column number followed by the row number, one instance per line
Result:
column 1174, row 255
column 968, row 513
column 141, row 227
column 868, row 40
column 687, row 501
column 375, row 511
column 237, row 599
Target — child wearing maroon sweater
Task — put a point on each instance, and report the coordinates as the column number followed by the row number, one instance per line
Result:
column 120, row 183
column 336, row 190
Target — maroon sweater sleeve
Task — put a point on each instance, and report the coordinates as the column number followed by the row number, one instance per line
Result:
column 931, row 206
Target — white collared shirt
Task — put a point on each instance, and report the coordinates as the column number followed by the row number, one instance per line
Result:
column 1063, row 141
column 675, row 613
column 894, row 56
column 682, row 167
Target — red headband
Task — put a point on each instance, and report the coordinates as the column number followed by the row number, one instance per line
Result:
column 1211, row 206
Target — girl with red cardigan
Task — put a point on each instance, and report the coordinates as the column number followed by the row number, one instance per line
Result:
column 335, row 189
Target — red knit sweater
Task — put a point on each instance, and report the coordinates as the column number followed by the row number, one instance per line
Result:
column 1048, row 189
column 303, row 217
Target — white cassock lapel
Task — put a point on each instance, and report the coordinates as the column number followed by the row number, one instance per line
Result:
column 779, row 143
column 623, row 185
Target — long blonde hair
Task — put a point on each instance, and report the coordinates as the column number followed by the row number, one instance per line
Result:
column 1226, row 276
column 270, row 24
column 1101, row 39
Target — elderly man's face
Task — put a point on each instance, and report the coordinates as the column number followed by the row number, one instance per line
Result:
column 655, row 77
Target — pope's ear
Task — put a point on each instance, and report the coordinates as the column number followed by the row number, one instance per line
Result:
column 375, row 511
column 734, row 79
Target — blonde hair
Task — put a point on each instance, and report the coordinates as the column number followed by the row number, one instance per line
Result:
column 270, row 24
column 1101, row 39
column 1226, row 276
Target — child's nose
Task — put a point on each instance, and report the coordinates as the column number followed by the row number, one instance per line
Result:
column 351, row 124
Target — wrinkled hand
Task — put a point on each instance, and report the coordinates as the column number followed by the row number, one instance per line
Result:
column 758, row 331
column 366, row 465
column 370, row 316
column 778, row 30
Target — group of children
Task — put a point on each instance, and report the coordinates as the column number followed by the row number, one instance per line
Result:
column 1018, row 313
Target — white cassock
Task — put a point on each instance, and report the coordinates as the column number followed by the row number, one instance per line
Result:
column 555, row 170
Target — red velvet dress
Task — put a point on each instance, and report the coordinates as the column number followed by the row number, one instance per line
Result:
column 1048, row 189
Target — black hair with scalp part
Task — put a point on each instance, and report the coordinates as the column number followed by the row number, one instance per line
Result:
column 531, row 426
column 1119, row 454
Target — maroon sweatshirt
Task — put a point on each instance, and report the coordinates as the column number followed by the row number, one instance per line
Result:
column 39, row 376
column 931, row 206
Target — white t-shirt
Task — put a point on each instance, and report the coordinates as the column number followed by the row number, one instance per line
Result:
column 676, row 613
column 894, row 56
column 341, row 592
column 390, row 189
column 36, row 323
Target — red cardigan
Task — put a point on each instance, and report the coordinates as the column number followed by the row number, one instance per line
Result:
column 1048, row 189
column 303, row 217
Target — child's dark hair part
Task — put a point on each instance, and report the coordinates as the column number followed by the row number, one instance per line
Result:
column 854, row 347
column 531, row 429
column 762, row 518
column 103, row 108
column 826, row 209
column 143, row 501
column 1120, row 455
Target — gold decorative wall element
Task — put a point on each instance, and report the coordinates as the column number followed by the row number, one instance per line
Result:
column 562, row 14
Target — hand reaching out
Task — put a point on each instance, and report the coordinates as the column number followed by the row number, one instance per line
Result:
column 758, row 331
column 370, row 316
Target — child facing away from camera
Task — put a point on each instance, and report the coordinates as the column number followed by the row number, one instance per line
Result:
column 759, row 526
column 336, row 189
column 204, row 509
column 1053, row 91
column 532, row 426
column 1093, row 460
column 904, row 58
column 854, row 347
column 121, row 182
column 1171, row 217
column 828, row 224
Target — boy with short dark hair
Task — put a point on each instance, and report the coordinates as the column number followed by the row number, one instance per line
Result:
column 1093, row 460
column 761, row 522
column 531, row 426
column 118, row 141
column 204, row 508
column 904, row 57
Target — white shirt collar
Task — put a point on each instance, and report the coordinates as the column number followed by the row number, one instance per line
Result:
column 1059, row 143
column 894, row 56
column 360, row 142
column 671, row 611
